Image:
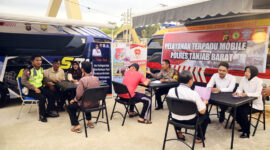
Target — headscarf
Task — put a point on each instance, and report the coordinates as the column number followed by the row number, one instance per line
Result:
column 253, row 71
column 76, row 74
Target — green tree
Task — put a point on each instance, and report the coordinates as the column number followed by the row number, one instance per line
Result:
column 144, row 33
column 148, row 31
column 109, row 31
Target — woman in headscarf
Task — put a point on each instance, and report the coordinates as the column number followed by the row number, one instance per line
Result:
column 74, row 73
column 251, row 86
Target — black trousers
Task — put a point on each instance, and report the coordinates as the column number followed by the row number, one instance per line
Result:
column 159, row 93
column 45, row 94
column 72, row 109
column 203, row 120
column 64, row 95
column 242, row 117
column 147, row 102
column 222, row 111
column 223, row 108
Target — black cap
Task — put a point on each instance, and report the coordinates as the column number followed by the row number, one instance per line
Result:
column 135, row 65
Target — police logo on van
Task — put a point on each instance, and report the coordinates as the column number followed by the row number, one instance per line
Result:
column 236, row 35
column 28, row 27
column 226, row 36
column 43, row 27
column 59, row 28
column 246, row 34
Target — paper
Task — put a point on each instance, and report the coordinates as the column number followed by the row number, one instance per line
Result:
column 236, row 96
column 204, row 92
column 156, row 81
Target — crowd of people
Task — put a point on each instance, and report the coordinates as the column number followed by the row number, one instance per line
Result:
column 42, row 86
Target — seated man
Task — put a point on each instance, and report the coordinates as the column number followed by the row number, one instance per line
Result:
column 167, row 74
column 32, row 79
column 56, row 74
column 88, row 81
column 224, row 83
column 185, row 92
column 132, row 78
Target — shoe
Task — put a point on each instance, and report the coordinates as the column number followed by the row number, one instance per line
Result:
column 221, row 117
column 42, row 118
column 52, row 115
column 244, row 135
column 133, row 115
column 159, row 107
column 240, row 130
column 60, row 109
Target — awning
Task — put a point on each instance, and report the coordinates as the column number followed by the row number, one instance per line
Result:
column 200, row 10
column 87, row 31
column 51, row 21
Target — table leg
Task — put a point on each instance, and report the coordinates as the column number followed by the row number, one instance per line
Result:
column 234, row 116
column 250, row 113
column 152, row 96
column 151, row 103
column 207, row 108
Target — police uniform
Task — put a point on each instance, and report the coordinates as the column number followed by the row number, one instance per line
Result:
column 169, row 76
column 32, row 78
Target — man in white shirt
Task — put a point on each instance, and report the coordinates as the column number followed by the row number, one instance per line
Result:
column 185, row 92
column 224, row 82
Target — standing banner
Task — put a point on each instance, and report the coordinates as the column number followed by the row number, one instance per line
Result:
column 238, row 47
column 124, row 54
column 101, row 60
column 139, row 56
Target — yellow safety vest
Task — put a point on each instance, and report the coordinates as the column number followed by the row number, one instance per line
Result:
column 36, row 77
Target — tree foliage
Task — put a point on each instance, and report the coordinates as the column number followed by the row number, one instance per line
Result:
column 148, row 31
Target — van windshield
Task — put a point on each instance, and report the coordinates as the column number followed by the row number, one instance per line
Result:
column 47, row 45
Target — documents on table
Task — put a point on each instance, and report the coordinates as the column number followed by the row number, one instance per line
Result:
column 156, row 81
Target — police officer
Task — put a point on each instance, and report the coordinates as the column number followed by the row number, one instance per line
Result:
column 33, row 79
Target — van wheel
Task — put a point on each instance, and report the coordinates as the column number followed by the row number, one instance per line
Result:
column 4, row 95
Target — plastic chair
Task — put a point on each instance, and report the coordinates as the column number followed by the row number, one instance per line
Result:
column 182, row 107
column 95, row 95
column 26, row 99
column 120, row 88
column 258, row 119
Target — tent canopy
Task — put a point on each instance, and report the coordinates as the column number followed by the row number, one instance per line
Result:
column 201, row 10
column 51, row 21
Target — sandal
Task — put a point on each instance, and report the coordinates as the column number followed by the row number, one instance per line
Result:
column 199, row 140
column 133, row 115
column 79, row 130
column 183, row 138
column 90, row 125
column 145, row 121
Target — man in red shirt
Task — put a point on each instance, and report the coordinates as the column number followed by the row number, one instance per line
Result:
column 132, row 78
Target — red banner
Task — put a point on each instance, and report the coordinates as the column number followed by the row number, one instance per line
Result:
column 238, row 47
